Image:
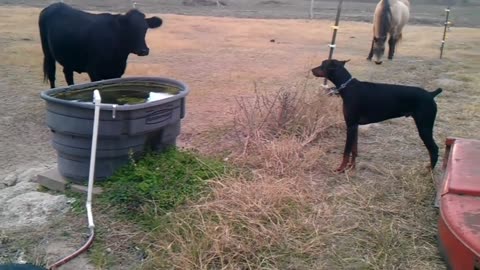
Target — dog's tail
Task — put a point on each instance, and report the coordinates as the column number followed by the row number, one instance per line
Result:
column 436, row 92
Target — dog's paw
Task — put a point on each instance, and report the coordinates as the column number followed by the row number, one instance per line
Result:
column 345, row 168
column 341, row 168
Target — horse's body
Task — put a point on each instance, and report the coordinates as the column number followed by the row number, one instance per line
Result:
column 389, row 19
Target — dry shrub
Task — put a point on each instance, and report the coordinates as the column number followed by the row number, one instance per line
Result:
column 275, row 129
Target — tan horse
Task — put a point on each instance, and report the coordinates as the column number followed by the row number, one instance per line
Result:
column 389, row 19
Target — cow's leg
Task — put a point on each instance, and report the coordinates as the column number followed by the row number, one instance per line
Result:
column 68, row 76
column 49, row 69
column 392, row 41
column 94, row 76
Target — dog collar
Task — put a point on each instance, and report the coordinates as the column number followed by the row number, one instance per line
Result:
column 343, row 85
column 336, row 91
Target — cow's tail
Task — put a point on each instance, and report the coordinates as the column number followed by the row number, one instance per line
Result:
column 436, row 92
column 48, row 59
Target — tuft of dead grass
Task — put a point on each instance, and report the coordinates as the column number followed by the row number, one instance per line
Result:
column 276, row 129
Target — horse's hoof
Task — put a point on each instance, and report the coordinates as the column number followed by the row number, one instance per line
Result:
column 378, row 62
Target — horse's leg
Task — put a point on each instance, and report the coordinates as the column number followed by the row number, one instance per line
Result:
column 392, row 41
column 369, row 58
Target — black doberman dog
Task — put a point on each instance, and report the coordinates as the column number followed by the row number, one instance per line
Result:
column 366, row 102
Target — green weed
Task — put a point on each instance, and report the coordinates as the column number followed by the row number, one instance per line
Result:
column 158, row 183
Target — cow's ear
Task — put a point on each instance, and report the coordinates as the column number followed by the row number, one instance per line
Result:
column 154, row 22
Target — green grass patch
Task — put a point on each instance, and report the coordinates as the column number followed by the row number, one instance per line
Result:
column 78, row 201
column 158, row 183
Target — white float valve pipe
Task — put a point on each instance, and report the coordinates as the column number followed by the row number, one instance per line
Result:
column 97, row 99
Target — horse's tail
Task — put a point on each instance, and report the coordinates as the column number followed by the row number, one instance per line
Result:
column 436, row 92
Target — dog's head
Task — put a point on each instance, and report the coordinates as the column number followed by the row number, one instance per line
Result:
column 328, row 68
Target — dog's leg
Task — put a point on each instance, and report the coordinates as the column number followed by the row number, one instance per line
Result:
column 424, row 122
column 370, row 54
column 352, row 133
column 343, row 165
column 391, row 47
column 354, row 152
column 427, row 138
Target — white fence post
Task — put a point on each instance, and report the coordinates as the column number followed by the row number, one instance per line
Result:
column 312, row 4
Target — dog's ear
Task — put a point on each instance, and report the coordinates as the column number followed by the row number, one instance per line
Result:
column 344, row 62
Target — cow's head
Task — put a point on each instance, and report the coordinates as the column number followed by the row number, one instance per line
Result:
column 134, row 27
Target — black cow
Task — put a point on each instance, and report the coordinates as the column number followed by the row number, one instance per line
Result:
column 98, row 44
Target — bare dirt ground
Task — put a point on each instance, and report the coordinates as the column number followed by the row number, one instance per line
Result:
column 423, row 11
column 222, row 58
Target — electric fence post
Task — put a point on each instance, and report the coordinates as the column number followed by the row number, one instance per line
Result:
column 447, row 24
column 332, row 44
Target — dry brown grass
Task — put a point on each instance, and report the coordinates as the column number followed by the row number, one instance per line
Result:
column 392, row 223
column 245, row 224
